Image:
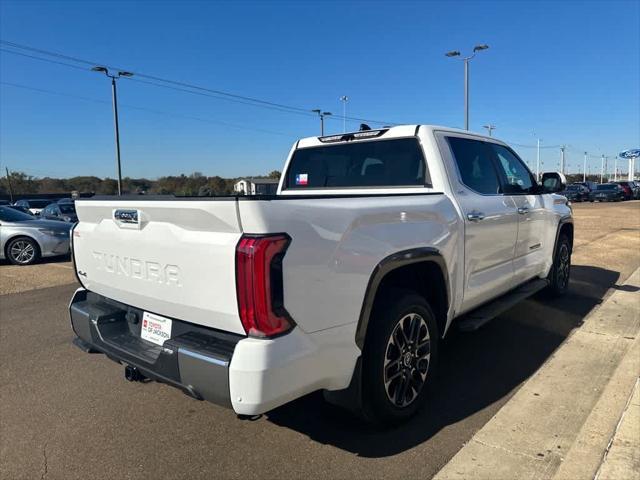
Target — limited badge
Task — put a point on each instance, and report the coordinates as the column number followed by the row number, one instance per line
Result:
column 302, row 179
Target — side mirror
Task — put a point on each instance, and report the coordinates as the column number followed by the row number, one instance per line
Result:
column 553, row 182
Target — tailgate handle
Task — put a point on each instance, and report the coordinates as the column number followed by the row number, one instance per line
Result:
column 127, row 218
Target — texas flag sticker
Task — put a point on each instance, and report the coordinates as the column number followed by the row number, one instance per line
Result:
column 302, row 179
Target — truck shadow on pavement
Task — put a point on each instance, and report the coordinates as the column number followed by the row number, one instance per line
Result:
column 477, row 370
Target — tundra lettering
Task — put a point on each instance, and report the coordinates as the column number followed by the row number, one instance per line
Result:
column 136, row 268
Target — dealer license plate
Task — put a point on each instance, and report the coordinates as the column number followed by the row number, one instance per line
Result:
column 155, row 328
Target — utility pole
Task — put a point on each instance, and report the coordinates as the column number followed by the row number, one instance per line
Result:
column 9, row 184
column 114, row 98
column 344, row 100
column 455, row 53
column 602, row 169
column 584, row 168
column 489, row 128
column 538, row 159
column 321, row 114
column 615, row 169
column 562, row 159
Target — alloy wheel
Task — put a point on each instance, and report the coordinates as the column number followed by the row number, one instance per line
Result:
column 22, row 251
column 564, row 265
column 406, row 360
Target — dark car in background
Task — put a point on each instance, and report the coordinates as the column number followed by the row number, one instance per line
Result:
column 589, row 184
column 22, row 209
column 627, row 189
column 35, row 205
column 607, row 192
column 576, row 192
column 65, row 212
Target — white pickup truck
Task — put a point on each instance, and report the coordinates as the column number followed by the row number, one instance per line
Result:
column 344, row 281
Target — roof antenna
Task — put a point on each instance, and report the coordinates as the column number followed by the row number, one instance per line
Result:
column 364, row 127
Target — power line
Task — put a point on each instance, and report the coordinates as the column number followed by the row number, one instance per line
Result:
column 151, row 77
column 43, row 59
column 203, row 94
column 306, row 113
column 185, row 86
column 145, row 109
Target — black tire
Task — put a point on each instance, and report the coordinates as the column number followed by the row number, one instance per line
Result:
column 561, row 269
column 412, row 371
column 22, row 251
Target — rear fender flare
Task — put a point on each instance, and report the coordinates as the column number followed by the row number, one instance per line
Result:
column 387, row 265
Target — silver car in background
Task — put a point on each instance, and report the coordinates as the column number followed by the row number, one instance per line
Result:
column 25, row 239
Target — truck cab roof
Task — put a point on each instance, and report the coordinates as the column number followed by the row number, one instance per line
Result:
column 397, row 131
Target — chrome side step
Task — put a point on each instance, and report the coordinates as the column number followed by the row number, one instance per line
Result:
column 474, row 319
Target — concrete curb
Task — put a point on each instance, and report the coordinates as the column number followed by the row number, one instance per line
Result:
column 622, row 459
column 560, row 422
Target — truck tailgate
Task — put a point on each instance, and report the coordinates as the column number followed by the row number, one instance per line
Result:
column 173, row 257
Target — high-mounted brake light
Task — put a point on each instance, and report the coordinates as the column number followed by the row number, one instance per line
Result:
column 346, row 137
column 259, row 284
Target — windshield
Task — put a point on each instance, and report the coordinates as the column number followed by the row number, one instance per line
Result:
column 573, row 187
column 394, row 163
column 38, row 203
column 13, row 215
column 67, row 208
column 607, row 187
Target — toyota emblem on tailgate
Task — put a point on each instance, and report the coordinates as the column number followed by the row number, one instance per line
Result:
column 126, row 216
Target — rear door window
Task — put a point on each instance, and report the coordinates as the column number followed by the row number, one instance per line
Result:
column 359, row 164
column 475, row 164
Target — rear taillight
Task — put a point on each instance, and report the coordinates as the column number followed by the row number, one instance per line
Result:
column 259, row 284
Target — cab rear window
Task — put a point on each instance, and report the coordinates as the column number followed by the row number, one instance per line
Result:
column 381, row 163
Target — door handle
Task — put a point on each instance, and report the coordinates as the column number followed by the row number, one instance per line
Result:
column 523, row 210
column 475, row 216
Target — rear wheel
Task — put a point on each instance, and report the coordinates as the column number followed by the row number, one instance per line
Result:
column 399, row 358
column 561, row 269
column 23, row 251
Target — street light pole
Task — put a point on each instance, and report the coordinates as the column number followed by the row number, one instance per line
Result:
column 489, row 128
column 117, row 129
column 584, row 168
column 344, row 100
column 562, row 159
column 538, row 140
column 114, row 97
column 321, row 114
column 466, row 93
column 602, row 169
column 456, row 53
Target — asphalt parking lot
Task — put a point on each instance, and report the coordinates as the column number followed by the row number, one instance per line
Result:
column 66, row 414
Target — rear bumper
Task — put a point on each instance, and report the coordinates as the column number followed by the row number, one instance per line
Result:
column 249, row 375
column 195, row 360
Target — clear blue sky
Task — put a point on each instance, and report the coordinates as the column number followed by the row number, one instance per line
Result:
column 568, row 71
